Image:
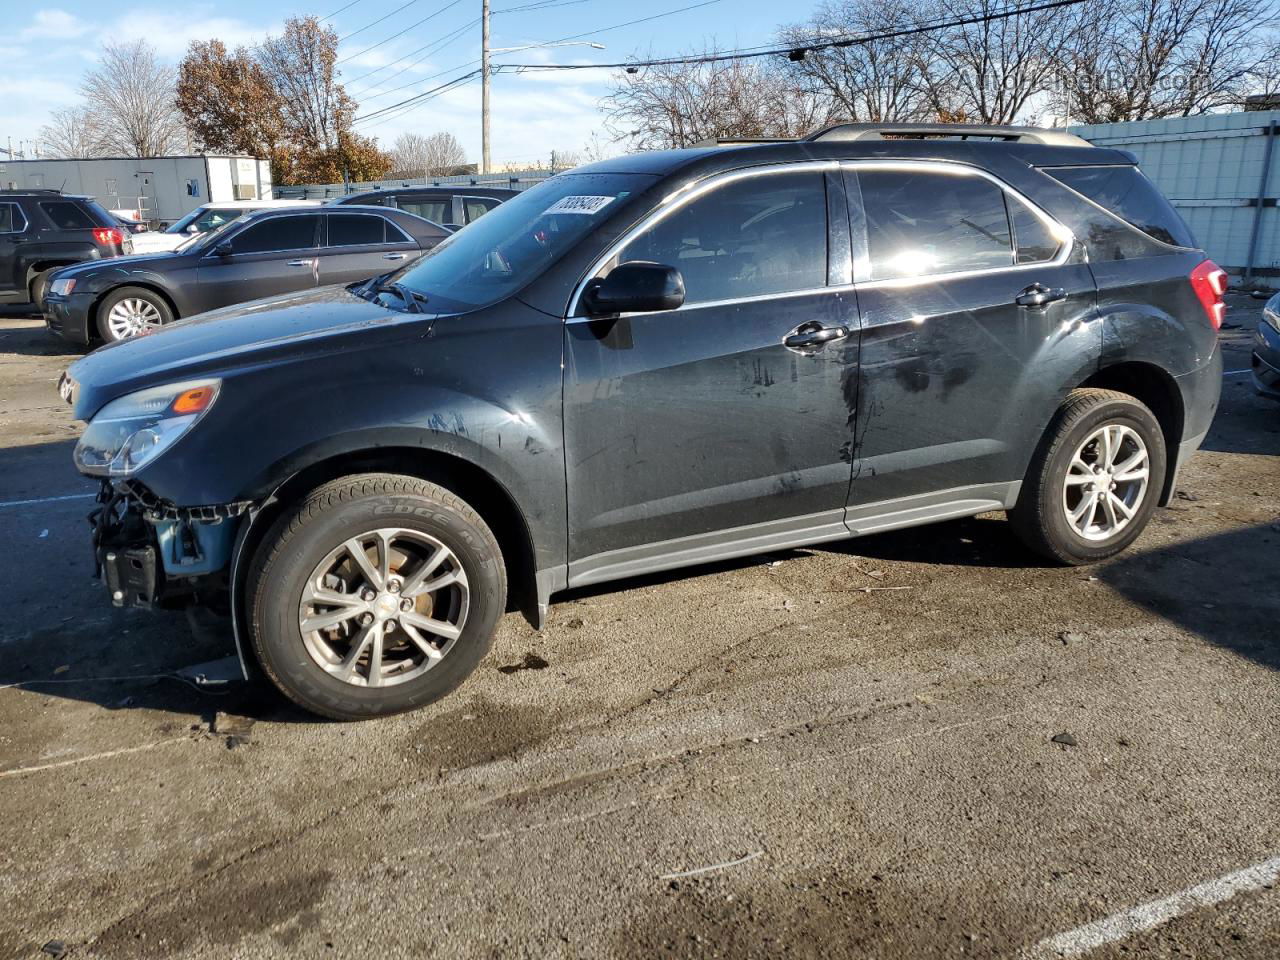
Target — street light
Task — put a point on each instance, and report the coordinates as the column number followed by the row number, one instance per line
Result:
column 484, row 77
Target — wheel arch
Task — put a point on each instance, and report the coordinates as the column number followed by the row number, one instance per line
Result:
column 478, row 487
column 155, row 288
column 1157, row 389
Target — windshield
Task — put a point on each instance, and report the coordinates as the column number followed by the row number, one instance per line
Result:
column 198, row 240
column 205, row 219
column 509, row 246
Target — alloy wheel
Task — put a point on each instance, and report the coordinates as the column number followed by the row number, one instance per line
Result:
column 1106, row 482
column 384, row 607
column 132, row 316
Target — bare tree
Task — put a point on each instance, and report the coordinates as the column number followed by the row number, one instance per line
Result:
column 879, row 80
column 680, row 104
column 434, row 155
column 1139, row 59
column 990, row 71
column 71, row 132
column 130, row 95
column 562, row 160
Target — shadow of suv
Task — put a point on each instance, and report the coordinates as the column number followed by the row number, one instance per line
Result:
column 656, row 361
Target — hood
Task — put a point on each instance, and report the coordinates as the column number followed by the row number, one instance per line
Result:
column 125, row 265
column 290, row 328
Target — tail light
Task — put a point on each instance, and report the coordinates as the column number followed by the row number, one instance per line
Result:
column 104, row 236
column 1209, row 281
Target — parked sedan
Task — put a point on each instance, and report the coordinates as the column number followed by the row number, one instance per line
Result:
column 259, row 255
column 1266, row 351
column 452, row 206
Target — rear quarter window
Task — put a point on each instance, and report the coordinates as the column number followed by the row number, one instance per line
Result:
column 1126, row 192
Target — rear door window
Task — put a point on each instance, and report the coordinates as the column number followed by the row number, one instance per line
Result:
column 476, row 207
column 278, row 233
column 352, row 229
column 11, row 218
column 67, row 215
column 434, row 210
column 924, row 223
column 751, row 237
column 1127, row 193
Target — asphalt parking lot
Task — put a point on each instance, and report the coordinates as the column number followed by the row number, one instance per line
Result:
column 845, row 751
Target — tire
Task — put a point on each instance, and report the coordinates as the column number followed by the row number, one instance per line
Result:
column 303, row 548
column 151, row 312
column 39, row 286
column 1056, row 486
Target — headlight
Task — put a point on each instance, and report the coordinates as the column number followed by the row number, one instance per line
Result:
column 130, row 432
column 1271, row 317
column 62, row 286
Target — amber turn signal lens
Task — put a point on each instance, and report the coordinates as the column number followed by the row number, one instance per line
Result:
column 193, row 401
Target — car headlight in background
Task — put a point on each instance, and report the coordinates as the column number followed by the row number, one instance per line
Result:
column 62, row 286
column 1269, row 315
column 131, row 431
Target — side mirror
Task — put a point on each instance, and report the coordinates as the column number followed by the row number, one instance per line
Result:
column 192, row 228
column 638, row 286
column 224, row 249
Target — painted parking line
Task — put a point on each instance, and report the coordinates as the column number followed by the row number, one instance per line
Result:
column 1147, row 916
column 28, row 503
column 1236, row 373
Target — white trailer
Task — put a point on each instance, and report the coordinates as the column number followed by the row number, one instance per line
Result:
column 161, row 189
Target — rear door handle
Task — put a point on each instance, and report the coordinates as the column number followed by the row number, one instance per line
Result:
column 394, row 256
column 813, row 335
column 1038, row 295
column 299, row 263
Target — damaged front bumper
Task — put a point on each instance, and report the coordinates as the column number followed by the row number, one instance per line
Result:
column 152, row 553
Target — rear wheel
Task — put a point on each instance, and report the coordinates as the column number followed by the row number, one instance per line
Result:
column 1095, row 478
column 378, row 594
column 130, row 312
column 39, row 286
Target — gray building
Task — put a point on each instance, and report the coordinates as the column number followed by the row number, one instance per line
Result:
column 162, row 189
column 1217, row 171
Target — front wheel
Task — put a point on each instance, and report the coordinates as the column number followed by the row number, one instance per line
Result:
column 130, row 312
column 1094, row 480
column 378, row 594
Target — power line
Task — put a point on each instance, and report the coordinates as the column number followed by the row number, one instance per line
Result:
column 790, row 50
column 376, row 22
column 411, row 26
column 340, row 10
column 421, row 97
column 632, row 23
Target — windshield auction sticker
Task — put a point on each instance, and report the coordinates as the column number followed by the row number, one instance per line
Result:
column 587, row 205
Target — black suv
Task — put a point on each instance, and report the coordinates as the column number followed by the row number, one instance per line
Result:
column 41, row 230
column 454, row 207
column 268, row 252
column 656, row 361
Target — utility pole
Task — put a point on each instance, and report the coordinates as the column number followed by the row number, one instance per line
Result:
column 484, row 87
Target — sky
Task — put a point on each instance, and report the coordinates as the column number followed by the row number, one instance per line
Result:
column 47, row 49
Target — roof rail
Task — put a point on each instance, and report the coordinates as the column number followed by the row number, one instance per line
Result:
column 959, row 131
column 740, row 141
column 32, row 190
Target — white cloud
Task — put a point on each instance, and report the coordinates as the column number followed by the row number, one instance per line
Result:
column 54, row 24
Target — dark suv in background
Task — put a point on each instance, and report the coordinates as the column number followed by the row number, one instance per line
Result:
column 454, row 207
column 655, row 361
column 41, row 230
column 279, row 250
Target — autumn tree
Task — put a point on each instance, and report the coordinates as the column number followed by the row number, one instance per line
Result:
column 130, row 96
column 281, row 100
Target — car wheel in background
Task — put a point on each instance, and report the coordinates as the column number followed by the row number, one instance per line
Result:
column 39, row 286
column 131, row 311
column 1094, row 480
column 377, row 594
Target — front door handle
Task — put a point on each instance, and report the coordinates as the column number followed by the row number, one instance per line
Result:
column 394, row 256
column 813, row 335
column 299, row 263
column 1038, row 295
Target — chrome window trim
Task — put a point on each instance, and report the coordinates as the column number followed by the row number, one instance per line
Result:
column 17, row 207
column 684, row 195
column 1067, row 240
column 678, row 199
